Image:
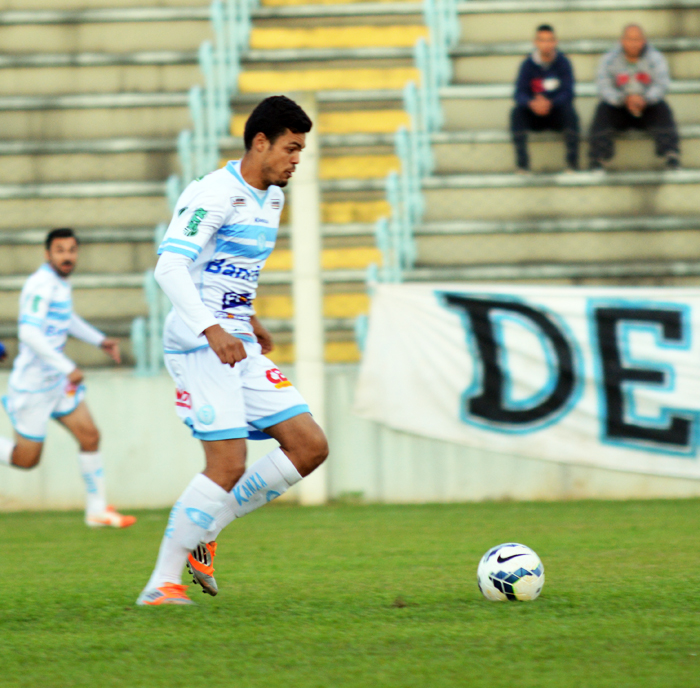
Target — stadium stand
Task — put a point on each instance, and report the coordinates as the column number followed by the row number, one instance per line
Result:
column 357, row 57
column 92, row 99
column 635, row 224
column 91, row 102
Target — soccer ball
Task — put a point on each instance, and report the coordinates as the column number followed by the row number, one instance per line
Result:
column 510, row 572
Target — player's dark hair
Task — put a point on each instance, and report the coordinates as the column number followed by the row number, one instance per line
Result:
column 545, row 27
column 273, row 116
column 61, row 233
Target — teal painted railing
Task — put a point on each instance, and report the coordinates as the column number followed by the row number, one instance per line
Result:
column 395, row 235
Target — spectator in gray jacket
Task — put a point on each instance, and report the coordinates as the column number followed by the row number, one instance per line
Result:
column 632, row 82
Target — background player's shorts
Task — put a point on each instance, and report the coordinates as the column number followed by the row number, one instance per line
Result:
column 220, row 403
column 29, row 412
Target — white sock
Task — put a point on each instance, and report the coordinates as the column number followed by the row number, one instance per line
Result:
column 6, row 447
column 265, row 480
column 94, row 477
column 190, row 520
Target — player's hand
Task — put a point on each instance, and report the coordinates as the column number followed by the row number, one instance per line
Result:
column 111, row 348
column 228, row 348
column 263, row 335
column 76, row 377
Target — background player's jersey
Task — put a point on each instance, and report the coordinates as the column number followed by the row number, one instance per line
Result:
column 228, row 229
column 45, row 303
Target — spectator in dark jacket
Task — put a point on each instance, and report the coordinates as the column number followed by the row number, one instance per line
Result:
column 632, row 81
column 544, row 97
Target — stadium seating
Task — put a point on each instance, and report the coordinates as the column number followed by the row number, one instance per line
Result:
column 92, row 98
column 634, row 224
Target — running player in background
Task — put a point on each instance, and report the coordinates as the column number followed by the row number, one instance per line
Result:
column 45, row 383
column 223, row 229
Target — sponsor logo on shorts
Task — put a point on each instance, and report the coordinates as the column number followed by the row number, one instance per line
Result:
column 71, row 389
column 183, row 399
column 232, row 299
column 206, row 414
column 237, row 201
column 274, row 375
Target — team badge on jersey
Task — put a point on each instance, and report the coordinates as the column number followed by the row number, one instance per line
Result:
column 237, row 201
column 275, row 203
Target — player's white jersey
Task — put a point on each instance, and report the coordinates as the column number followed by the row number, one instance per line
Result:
column 45, row 303
column 228, row 229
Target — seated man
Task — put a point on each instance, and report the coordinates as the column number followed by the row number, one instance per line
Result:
column 544, row 96
column 632, row 82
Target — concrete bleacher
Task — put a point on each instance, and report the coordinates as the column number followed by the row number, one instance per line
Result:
column 92, row 98
column 636, row 223
column 357, row 57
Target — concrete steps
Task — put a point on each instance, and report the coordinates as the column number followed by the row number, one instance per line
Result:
column 92, row 99
column 357, row 58
column 490, row 150
column 635, row 224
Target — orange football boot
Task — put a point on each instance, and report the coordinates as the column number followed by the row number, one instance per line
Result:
column 109, row 517
column 200, row 564
column 168, row 593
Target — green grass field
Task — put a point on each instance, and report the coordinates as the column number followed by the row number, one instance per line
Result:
column 361, row 596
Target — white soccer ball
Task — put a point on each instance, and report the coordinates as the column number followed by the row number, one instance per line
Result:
column 510, row 572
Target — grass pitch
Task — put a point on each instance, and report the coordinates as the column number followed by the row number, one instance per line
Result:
column 361, row 596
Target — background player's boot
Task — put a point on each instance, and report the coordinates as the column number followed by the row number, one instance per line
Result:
column 168, row 593
column 110, row 517
column 201, row 565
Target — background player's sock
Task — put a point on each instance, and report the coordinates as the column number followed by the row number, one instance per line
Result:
column 6, row 447
column 93, row 475
column 189, row 523
column 265, row 480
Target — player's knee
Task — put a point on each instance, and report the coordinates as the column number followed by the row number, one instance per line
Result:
column 90, row 440
column 25, row 460
column 315, row 449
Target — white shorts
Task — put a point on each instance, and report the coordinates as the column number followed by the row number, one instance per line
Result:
column 220, row 403
column 29, row 412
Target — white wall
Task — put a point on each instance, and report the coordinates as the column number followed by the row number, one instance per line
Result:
column 150, row 457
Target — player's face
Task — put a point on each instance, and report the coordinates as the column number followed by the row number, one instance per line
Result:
column 546, row 44
column 280, row 159
column 63, row 255
column 633, row 42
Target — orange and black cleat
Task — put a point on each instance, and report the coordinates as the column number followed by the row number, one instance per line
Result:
column 201, row 565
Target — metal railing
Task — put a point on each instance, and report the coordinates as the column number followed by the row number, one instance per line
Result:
column 395, row 235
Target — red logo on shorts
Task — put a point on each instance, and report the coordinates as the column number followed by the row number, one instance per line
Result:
column 274, row 375
column 183, row 399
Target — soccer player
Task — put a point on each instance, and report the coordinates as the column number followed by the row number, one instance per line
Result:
column 223, row 229
column 45, row 383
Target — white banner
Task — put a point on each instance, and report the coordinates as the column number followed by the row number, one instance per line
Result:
column 606, row 377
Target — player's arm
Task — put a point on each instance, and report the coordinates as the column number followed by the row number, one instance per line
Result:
column 263, row 335
column 187, row 234
column 33, row 310
column 80, row 329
